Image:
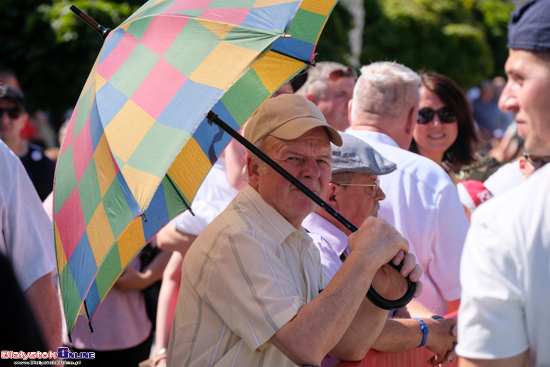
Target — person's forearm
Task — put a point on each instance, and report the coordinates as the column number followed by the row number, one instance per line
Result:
column 153, row 272
column 399, row 335
column 406, row 334
column 413, row 309
column 165, row 312
column 167, row 300
column 170, row 239
column 44, row 302
column 362, row 333
column 319, row 325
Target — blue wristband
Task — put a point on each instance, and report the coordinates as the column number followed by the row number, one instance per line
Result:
column 424, row 329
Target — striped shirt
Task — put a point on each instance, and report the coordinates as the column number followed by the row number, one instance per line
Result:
column 244, row 277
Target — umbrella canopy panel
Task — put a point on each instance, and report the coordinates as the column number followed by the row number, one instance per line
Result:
column 138, row 145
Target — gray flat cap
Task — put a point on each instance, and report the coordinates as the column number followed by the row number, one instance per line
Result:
column 355, row 155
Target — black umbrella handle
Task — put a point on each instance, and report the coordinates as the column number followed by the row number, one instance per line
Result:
column 372, row 295
column 103, row 32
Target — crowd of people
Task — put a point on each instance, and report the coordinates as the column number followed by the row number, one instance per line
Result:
column 450, row 184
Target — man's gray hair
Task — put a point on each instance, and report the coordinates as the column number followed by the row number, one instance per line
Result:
column 385, row 88
column 317, row 78
column 260, row 144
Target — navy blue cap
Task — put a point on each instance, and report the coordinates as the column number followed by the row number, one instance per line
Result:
column 529, row 27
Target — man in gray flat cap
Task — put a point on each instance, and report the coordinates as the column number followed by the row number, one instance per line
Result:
column 354, row 191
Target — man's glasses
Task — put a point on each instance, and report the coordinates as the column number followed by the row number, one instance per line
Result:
column 426, row 115
column 374, row 186
column 537, row 161
column 13, row 112
column 342, row 73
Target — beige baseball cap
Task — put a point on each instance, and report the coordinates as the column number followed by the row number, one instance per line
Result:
column 287, row 117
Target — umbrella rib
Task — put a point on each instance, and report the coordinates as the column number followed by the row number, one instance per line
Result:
column 180, row 195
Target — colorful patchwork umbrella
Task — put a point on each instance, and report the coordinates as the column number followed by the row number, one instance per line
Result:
column 138, row 145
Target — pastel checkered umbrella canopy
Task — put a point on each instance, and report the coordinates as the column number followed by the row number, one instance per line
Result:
column 138, row 145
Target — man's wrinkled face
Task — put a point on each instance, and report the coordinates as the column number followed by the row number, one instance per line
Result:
column 307, row 158
column 527, row 95
column 357, row 203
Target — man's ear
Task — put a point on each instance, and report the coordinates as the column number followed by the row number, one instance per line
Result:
column 332, row 196
column 253, row 171
column 411, row 121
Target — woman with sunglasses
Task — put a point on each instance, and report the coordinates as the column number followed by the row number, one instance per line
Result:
column 444, row 131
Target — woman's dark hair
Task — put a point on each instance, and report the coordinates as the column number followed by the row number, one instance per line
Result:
column 463, row 151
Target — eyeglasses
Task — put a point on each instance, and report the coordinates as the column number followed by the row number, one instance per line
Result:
column 426, row 115
column 374, row 186
column 341, row 73
column 537, row 160
column 13, row 112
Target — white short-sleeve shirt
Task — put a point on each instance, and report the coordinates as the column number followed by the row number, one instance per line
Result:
column 422, row 203
column 505, row 275
column 26, row 232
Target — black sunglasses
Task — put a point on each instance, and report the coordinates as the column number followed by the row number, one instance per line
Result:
column 341, row 73
column 537, row 160
column 13, row 112
column 426, row 115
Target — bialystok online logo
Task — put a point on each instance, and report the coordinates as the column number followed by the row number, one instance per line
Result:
column 62, row 353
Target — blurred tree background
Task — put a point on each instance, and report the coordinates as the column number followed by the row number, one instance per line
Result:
column 52, row 51
column 463, row 39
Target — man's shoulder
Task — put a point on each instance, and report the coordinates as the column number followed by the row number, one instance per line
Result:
column 243, row 216
column 525, row 201
column 421, row 170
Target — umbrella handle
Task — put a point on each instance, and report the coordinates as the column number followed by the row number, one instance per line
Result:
column 103, row 32
column 372, row 295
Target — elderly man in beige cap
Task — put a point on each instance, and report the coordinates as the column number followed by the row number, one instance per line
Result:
column 251, row 282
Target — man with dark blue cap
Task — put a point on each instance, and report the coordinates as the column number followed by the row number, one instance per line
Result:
column 355, row 192
column 504, row 319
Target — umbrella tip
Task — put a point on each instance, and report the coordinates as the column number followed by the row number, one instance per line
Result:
column 103, row 32
column 75, row 10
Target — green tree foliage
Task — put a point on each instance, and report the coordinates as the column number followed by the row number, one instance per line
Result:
column 446, row 36
column 493, row 16
column 334, row 45
column 50, row 49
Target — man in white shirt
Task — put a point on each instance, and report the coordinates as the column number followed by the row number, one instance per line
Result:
column 251, row 282
column 504, row 319
column 26, row 239
column 422, row 202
